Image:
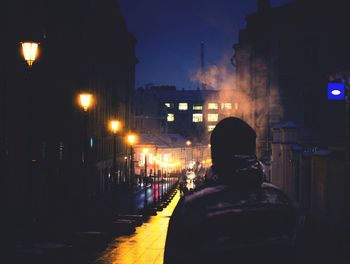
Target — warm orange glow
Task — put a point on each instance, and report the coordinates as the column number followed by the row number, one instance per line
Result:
column 145, row 150
column 30, row 51
column 131, row 138
column 188, row 143
column 85, row 100
column 114, row 126
column 146, row 245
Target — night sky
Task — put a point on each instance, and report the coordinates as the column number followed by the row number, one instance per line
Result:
column 169, row 35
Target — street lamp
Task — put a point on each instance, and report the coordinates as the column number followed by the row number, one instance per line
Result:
column 85, row 100
column 189, row 143
column 131, row 139
column 114, row 126
column 30, row 52
column 145, row 152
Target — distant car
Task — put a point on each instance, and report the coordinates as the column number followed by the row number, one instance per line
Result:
column 190, row 175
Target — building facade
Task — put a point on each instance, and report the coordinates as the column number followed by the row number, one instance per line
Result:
column 44, row 130
column 190, row 113
column 285, row 57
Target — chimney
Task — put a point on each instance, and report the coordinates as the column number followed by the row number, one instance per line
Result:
column 263, row 6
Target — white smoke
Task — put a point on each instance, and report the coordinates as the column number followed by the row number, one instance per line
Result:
column 251, row 99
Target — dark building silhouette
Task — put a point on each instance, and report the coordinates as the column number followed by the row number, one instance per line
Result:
column 285, row 57
column 84, row 46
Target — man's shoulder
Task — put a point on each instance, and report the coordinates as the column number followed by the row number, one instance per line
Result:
column 203, row 193
column 268, row 194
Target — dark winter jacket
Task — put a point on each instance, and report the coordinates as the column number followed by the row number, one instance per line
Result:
column 233, row 220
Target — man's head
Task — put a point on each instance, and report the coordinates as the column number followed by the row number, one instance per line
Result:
column 231, row 136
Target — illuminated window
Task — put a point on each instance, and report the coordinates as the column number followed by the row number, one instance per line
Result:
column 171, row 117
column 169, row 105
column 197, row 107
column 196, row 118
column 213, row 106
column 183, row 106
column 227, row 106
column 211, row 128
column 213, row 117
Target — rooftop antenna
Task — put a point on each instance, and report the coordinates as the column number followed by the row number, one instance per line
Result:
column 204, row 87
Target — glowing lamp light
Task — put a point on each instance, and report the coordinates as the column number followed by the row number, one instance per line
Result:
column 145, row 150
column 30, row 51
column 131, row 138
column 336, row 91
column 188, row 143
column 85, row 101
column 114, row 126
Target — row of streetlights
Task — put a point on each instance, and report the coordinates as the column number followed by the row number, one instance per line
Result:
column 86, row 100
column 30, row 52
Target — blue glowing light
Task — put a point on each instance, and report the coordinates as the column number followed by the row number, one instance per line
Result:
column 336, row 91
column 91, row 142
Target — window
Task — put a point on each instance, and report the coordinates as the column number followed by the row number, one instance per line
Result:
column 211, row 128
column 213, row 117
column 213, row 106
column 171, row 117
column 196, row 118
column 169, row 105
column 197, row 107
column 227, row 106
column 183, row 106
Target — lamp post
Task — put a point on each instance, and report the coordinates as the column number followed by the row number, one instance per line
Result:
column 29, row 52
column 145, row 152
column 131, row 139
column 156, row 174
column 85, row 100
column 126, row 176
column 188, row 144
column 114, row 126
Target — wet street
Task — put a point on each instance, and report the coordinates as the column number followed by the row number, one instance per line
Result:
column 135, row 235
column 146, row 245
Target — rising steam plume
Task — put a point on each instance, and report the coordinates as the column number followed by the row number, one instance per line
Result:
column 253, row 98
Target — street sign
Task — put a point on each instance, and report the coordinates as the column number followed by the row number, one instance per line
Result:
column 336, row 91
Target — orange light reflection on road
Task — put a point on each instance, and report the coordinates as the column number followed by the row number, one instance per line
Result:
column 146, row 245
